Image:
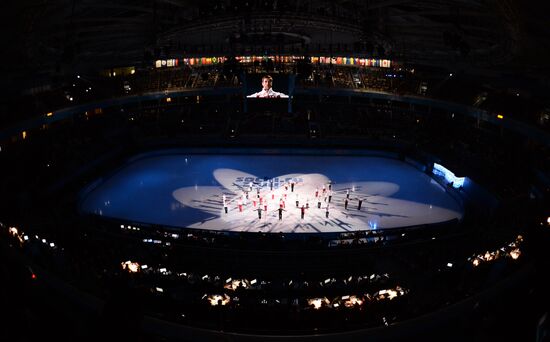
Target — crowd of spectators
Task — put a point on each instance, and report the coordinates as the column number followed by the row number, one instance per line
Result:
column 222, row 287
column 524, row 105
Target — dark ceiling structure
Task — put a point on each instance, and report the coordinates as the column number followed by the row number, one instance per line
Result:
column 60, row 36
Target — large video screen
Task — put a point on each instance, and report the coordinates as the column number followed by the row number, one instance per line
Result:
column 266, row 86
column 267, row 92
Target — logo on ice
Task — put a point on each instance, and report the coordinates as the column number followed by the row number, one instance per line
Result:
column 266, row 182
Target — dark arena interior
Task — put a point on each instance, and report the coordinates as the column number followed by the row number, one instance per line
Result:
column 389, row 180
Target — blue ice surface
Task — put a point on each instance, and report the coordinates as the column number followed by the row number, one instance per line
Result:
column 141, row 190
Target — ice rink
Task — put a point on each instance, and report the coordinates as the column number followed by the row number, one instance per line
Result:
column 188, row 190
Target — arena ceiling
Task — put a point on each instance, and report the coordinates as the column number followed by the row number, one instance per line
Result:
column 75, row 35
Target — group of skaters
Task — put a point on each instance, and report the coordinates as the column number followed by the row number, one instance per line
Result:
column 260, row 200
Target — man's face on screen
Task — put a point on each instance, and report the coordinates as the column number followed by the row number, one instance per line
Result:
column 267, row 83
